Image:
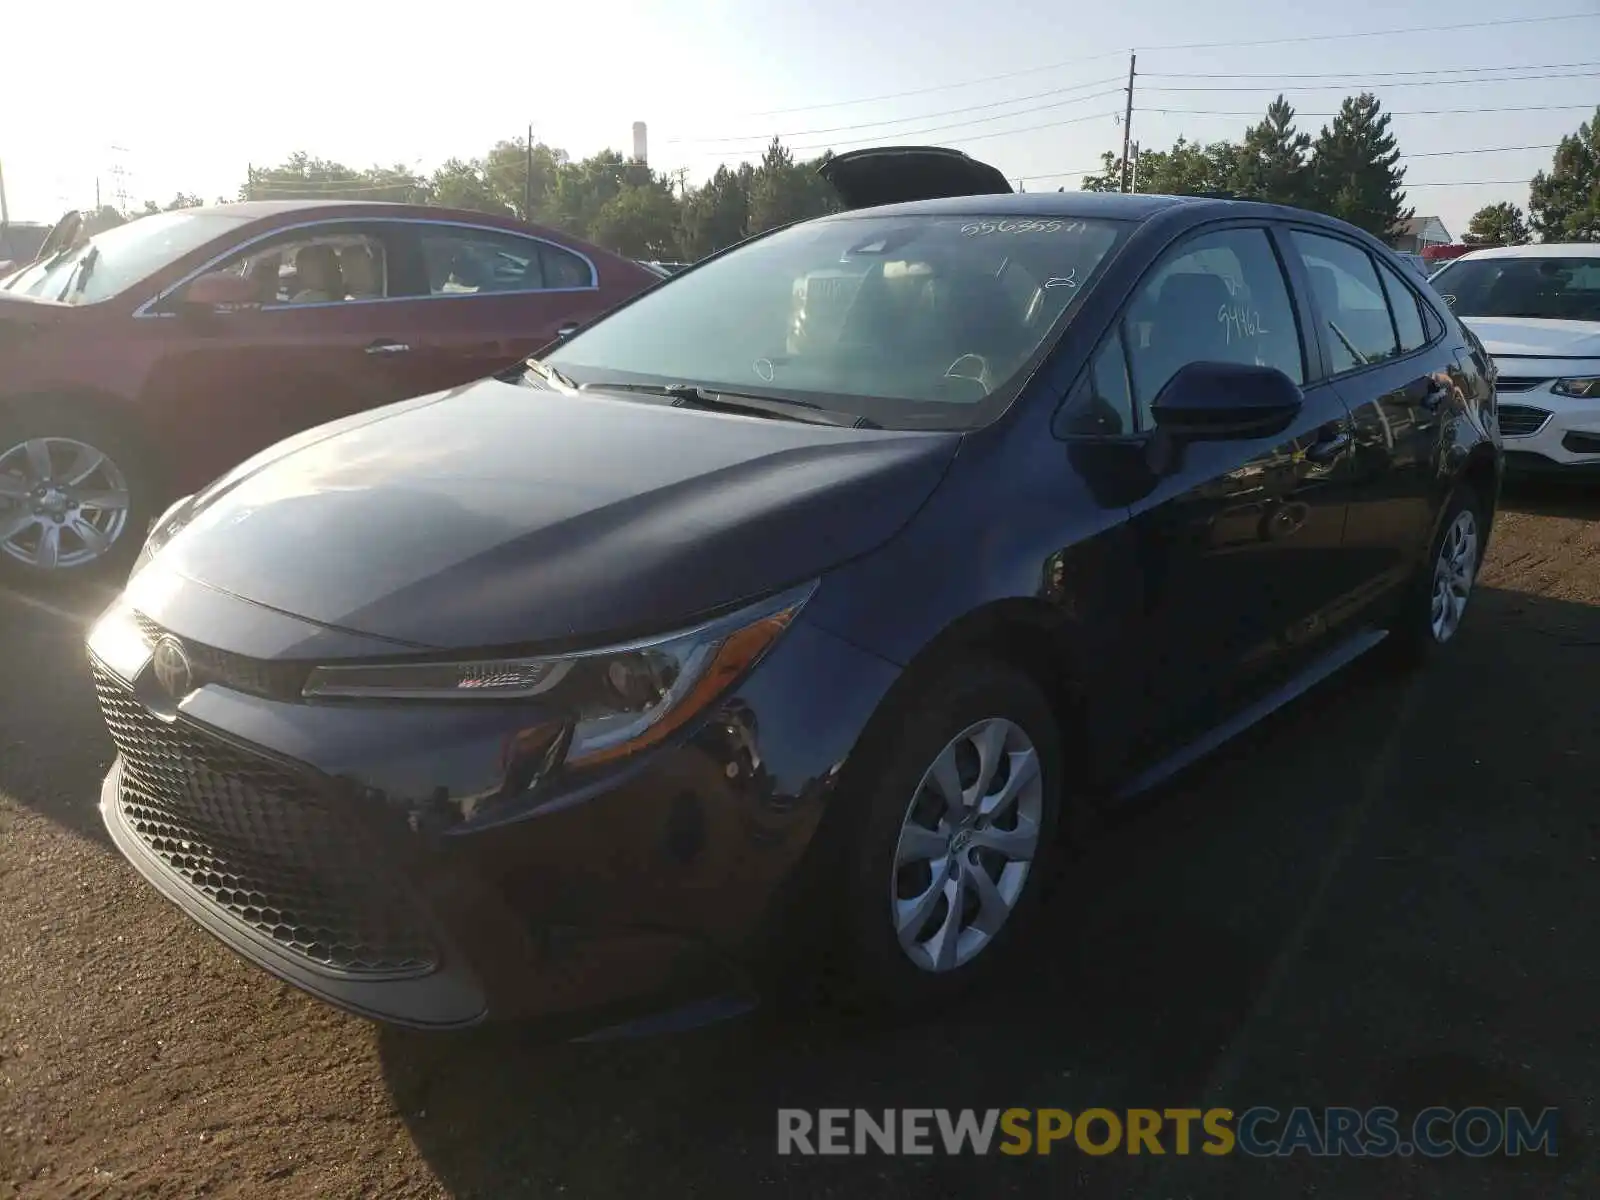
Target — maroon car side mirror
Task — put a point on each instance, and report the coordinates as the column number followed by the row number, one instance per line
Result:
column 219, row 289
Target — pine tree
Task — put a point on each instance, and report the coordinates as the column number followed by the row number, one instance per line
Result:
column 1271, row 162
column 1564, row 204
column 1497, row 225
column 1355, row 169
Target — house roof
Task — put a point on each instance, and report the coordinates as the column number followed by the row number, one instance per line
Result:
column 1417, row 226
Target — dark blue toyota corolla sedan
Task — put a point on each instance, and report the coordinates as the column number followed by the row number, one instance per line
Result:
column 845, row 577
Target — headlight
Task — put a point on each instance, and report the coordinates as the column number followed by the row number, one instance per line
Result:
column 1587, row 388
column 617, row 700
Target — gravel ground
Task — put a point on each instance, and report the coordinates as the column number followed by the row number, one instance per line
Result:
column 1386, row 895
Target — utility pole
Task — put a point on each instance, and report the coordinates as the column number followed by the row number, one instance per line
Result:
column 1135, row 183
column 527, row 181
column 1127, row 128
column 5, row 213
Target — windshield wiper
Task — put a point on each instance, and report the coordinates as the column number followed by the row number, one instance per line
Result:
column 718, row 400
column 548, row 373
column 84, row 269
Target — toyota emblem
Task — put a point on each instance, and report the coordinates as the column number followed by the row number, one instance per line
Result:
column 172, row 668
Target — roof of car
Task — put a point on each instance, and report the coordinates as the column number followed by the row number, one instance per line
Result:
column 260, row 210
column 1538, row 250
column 1083, row 205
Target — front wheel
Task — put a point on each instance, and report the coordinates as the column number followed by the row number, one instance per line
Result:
column 74, row 499
column 958, row 829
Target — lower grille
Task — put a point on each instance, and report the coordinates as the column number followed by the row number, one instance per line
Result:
column 258, row 844
column 1521, row 420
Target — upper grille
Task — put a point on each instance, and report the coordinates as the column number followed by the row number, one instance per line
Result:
column 258, row 677
column 259, row 844
column 1516, row 383
column 1521, row 420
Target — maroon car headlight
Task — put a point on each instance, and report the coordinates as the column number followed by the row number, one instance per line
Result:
column 616, row 699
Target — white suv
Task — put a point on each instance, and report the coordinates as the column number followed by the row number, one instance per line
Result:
column 1537, row 311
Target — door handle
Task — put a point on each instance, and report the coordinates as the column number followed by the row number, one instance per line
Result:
column 388, row 348
column 1329, row 448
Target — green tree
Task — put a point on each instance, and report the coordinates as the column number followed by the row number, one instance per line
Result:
column 1564, row 203
column 302, row 177
column 783, row 191
column 714, row 215
column 1497, row 225
column 1108, row 178
column 1355, row 168
column 640, row 221
column 1271, row 163
column 1188, row 169
column 458, row 184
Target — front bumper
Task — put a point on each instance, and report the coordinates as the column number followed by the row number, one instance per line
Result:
column 374, row 856
column 1544, row 431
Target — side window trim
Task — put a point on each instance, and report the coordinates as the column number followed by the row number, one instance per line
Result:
column 151, row 308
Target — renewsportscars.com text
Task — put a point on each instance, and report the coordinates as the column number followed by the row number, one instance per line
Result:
column 1259, row 1132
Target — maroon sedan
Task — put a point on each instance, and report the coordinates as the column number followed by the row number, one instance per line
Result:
column 140, row 363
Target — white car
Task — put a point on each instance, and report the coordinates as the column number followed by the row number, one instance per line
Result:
column 1537, row 311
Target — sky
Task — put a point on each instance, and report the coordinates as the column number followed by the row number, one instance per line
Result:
column 147, row 100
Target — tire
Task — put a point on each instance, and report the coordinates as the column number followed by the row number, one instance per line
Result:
column 975, row 697
column 1418, row 635
column 43, row 497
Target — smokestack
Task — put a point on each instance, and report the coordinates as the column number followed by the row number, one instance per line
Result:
column 641, row 150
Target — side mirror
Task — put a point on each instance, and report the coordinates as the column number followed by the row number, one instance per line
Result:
column 1212, row 401
column 219, row 289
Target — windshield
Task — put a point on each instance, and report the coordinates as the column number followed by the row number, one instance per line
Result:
column 1555, row 289
column 912, row 321
column 123, row 256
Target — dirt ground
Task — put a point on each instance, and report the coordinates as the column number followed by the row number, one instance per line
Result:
column 1386, row 895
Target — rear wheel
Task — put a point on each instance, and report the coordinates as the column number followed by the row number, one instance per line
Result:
column 75, row 498
column 1431, row 615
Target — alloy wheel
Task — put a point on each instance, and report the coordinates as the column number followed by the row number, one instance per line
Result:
column 967, row 844
column 1454, row 573
column 63, row 503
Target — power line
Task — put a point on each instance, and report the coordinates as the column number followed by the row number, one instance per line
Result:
column 1283, row 41
column 1354, row 83
column 914, row 133
column 1347, row 74
column 919, row 117
column 1419, row 112
column 1404, row 157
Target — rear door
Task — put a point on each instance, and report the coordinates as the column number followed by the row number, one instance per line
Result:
column 491, row 297
column 1390, row 360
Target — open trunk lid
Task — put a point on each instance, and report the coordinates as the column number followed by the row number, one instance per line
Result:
column 897, row 174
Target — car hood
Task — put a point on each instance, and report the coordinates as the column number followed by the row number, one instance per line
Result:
column 500, row 514
column 897, row 174
column 1531, row 337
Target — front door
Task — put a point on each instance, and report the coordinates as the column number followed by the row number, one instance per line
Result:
column 1240, row 539
column 321, row 340
column 1394, row 368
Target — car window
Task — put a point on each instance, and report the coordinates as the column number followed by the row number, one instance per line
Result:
column 1559, row 289
column 466, row 261
column 1407, row 310
column 1219, row 298
column 911, row 320
column 1101, row 402
column 122, row 256
column 329, row 265
column 564, row 269
column 1357, row 328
